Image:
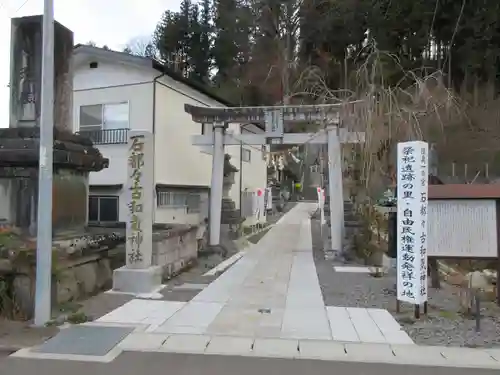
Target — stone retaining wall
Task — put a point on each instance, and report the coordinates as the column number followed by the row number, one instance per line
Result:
column 79, row 277
column 176, row 250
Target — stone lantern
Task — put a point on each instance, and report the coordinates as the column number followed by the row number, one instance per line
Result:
column 231, row 217
column 74, row 156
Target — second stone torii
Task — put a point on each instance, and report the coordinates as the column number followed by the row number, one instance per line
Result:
column 274, row 118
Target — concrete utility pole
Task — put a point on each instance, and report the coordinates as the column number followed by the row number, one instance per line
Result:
column 44, row 220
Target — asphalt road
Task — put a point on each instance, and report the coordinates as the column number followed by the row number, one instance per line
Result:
column 134, row 363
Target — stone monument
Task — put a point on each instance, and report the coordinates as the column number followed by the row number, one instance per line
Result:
column 230, row 216
column 74, row 155
column 139, row 276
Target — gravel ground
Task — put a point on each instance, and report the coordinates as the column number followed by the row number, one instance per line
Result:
column 445, row 323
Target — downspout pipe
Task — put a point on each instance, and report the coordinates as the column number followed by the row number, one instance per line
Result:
column 155, row 81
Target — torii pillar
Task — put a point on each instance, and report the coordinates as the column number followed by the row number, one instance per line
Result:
column 274, row 118
column 216, row 186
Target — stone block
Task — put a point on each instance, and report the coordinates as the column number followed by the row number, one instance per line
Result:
column 278, row 348
column 104, row 273
column 137, row 280
column 230, row 345
column 87, row 275
column 186, row 344
column 143, row 342
column 468, row 356
column 369, row 352
column 67, row 286
column 319, row 349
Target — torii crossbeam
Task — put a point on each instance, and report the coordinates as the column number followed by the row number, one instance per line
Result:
column 274, row 119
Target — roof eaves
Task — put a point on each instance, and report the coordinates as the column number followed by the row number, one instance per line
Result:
column 160, row 67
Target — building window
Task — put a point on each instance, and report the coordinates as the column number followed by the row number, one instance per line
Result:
column 246, row 155
column 193, row 203
column 179, row 199
column 103, row 208
column 104, row 116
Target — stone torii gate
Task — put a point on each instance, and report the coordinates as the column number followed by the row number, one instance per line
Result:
column 274, row 118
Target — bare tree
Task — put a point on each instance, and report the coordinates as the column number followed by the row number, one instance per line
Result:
column 141, row 46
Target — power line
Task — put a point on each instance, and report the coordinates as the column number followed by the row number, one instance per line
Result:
column 21, row 7
column 12, row 14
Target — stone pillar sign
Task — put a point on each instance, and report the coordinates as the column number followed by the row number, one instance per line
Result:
column 139, row 275
column 140, row 206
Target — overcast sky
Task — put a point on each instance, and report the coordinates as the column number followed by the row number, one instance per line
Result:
column 110, row 22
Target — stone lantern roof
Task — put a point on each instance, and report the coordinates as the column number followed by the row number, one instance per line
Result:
column 20, row 148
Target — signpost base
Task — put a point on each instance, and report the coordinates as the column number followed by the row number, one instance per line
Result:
column 137, row 280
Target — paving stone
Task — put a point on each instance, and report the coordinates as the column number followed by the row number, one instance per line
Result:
column 188, row 330
column 280, row 348
column 352, row 269
column 230, row 345
column 186, row 343
column 397, row 338
column 321, row 349
column 85, row 340
column 188, row 286
column 143, row 342
column 194, row 314
column 306, row 323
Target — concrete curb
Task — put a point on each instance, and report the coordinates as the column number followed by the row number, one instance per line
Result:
column 9, row 349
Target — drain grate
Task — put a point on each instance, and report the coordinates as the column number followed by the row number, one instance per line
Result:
column 264, row 311
column 85, row 340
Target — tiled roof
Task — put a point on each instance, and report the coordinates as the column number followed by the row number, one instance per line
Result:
column 464, row 191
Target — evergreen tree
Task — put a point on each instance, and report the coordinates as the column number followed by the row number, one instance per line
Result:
column 168, row 38
column 197, row 70
column 225, row 49
column 205, row 58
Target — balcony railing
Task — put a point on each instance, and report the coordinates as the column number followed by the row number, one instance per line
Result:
column 106, row 136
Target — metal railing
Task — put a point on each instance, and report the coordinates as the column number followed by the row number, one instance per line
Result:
column 106, row 136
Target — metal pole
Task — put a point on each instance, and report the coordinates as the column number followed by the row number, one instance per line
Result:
column 44, row 219
column 217, row 182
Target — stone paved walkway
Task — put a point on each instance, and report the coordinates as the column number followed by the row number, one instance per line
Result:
column 269, row 304
column 272, row 292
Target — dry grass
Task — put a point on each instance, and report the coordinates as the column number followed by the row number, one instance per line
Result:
column 463, row 127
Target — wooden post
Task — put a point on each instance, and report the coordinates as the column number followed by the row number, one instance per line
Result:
column 498, row 250
column 434, row 270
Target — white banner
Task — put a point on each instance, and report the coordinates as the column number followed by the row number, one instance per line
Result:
column 259, row 204
column 321, row 203
column 412, row 194
column 269, row 199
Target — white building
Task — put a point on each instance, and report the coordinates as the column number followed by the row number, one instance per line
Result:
column 115, row 92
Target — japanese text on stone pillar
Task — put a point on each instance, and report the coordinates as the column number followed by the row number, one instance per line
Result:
column 136, row 163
